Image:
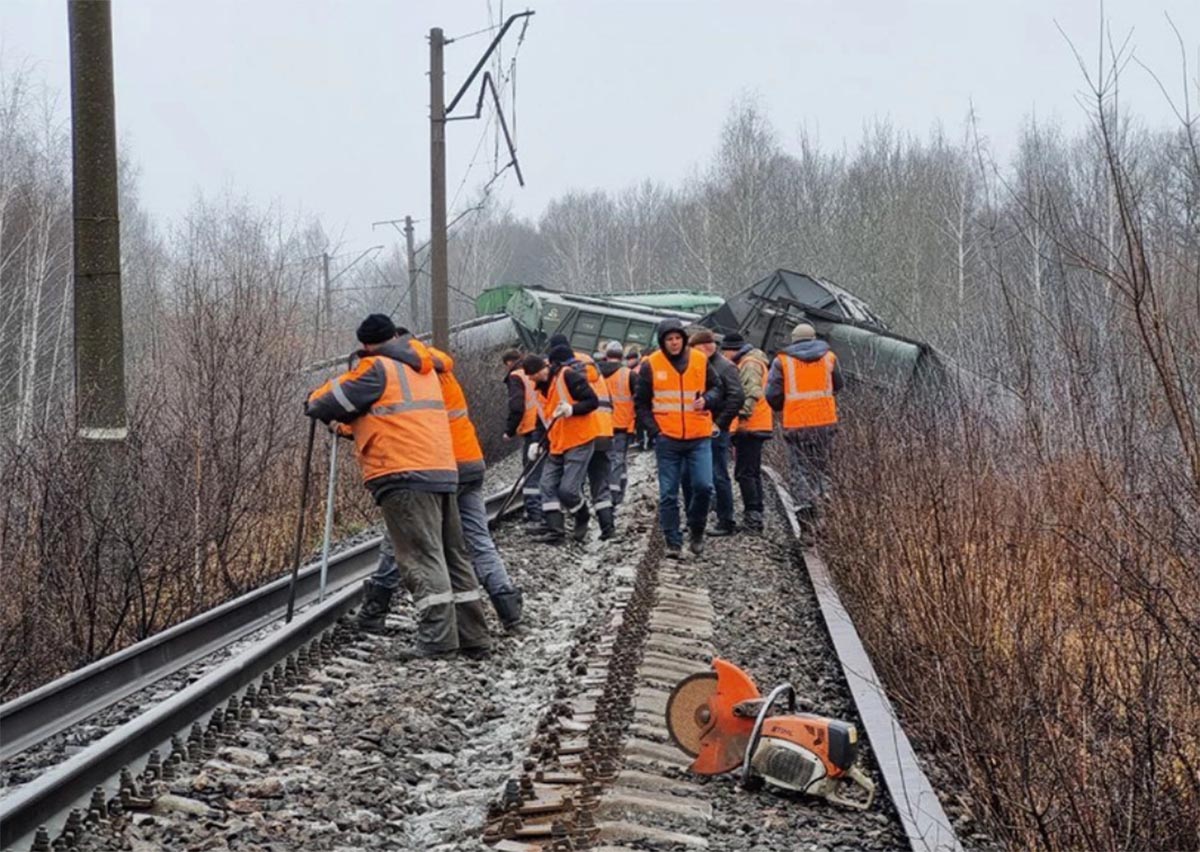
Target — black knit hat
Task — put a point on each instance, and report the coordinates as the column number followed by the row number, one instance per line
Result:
column 560, row 353
column 376, row 328
column 733, row 340
column 533, row 364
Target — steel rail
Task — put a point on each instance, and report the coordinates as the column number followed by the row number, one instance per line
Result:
column 44, row 801
column 36, row 716
column 925, row 822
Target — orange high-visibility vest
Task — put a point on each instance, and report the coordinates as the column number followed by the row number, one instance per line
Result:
column 808, row 391
column 533, row 404
column 604, row 411
column 674, row 393
column 620, row 389
column 760, row 417
column 573, row 431
column 468, row 454
column 405, row 431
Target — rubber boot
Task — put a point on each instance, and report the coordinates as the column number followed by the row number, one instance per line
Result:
column 509, row 607
column 753, row 521
column 608, row 525
column 554, row 531
column 582, row 515
column 696, row 542
column 373, row 612
column 723, row 529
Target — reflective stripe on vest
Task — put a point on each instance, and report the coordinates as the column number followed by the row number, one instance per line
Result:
column 467, row 452
column 604, row 411
column 622, row 399
column 573, row 431
column 440, row 598
column 808, row 392
column 406, row 431
column 675, row 392
column 533, row 405
column 760, row 417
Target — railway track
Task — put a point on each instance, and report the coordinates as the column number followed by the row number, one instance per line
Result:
column 576, row 710
column 254, row 619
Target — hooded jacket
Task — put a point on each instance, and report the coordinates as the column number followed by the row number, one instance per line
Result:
column 643, row 392
column 397, row 451
column 753, row 375
column 805, row 350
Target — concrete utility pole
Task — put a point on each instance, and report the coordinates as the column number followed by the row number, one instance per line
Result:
column 439, row 269
column 414, row 301
column 99, row 329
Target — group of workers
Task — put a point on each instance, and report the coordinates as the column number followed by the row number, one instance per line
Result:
column 694, row 401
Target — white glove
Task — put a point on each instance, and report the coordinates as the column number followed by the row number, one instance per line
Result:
column 565, row 409
column 533, row 452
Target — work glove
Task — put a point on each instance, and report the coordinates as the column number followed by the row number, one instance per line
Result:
column 508, row 436
column 533, row 452
column 565, row 409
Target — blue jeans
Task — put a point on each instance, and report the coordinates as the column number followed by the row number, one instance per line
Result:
column 722, row 484
column 675, row 458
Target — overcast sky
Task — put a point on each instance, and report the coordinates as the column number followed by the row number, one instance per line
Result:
column 322, row 106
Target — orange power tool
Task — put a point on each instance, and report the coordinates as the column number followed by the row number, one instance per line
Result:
column 720, row 719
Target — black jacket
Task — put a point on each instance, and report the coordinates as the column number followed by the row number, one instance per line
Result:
column 516, row 402
column 731, row 389
column 643, row 393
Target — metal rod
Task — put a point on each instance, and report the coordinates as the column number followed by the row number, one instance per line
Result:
column 329, row 495
column 414, row 301
column 479, row 65
column 312, row 435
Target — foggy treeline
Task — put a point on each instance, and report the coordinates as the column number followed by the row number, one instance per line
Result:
column 1027, row 584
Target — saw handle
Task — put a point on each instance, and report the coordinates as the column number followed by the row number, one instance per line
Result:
column 756, row 731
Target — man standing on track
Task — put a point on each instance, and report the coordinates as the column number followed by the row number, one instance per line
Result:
column 731, row 390
column 393, row 402
column 485, row 558
column 803, row 380
column 570, row 403
column 753, row 427
column 524, row 419
column 620, row 380
column 677, row 389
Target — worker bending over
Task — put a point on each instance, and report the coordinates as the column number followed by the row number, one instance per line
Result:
column 677, row 389
column 801, row 385
column 752, row 428
column 571, row 403
column 393, row 402
column 524, row 417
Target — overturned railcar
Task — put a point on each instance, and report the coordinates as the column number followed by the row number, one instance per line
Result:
column 870, row 354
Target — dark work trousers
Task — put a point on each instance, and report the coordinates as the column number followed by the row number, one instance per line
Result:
column 809, row 457
column 431, row 556
column 532, row 490
column 747, row 470
column 600, row 474
column 677, row 459
column 722, row 484
column 563, row 478
column 618, row 457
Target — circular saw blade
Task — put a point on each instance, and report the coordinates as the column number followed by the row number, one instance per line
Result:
column 687, row 710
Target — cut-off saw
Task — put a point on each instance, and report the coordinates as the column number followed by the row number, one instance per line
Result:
column 719, row 719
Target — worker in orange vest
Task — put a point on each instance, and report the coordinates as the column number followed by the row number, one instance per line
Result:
column 489, row 567
column 677, row 391
column 392, row 401
column 621, row 381
column 570, row 404
column 801, row 386
column 599, row 466
column 753, row 427
column 524, row 417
